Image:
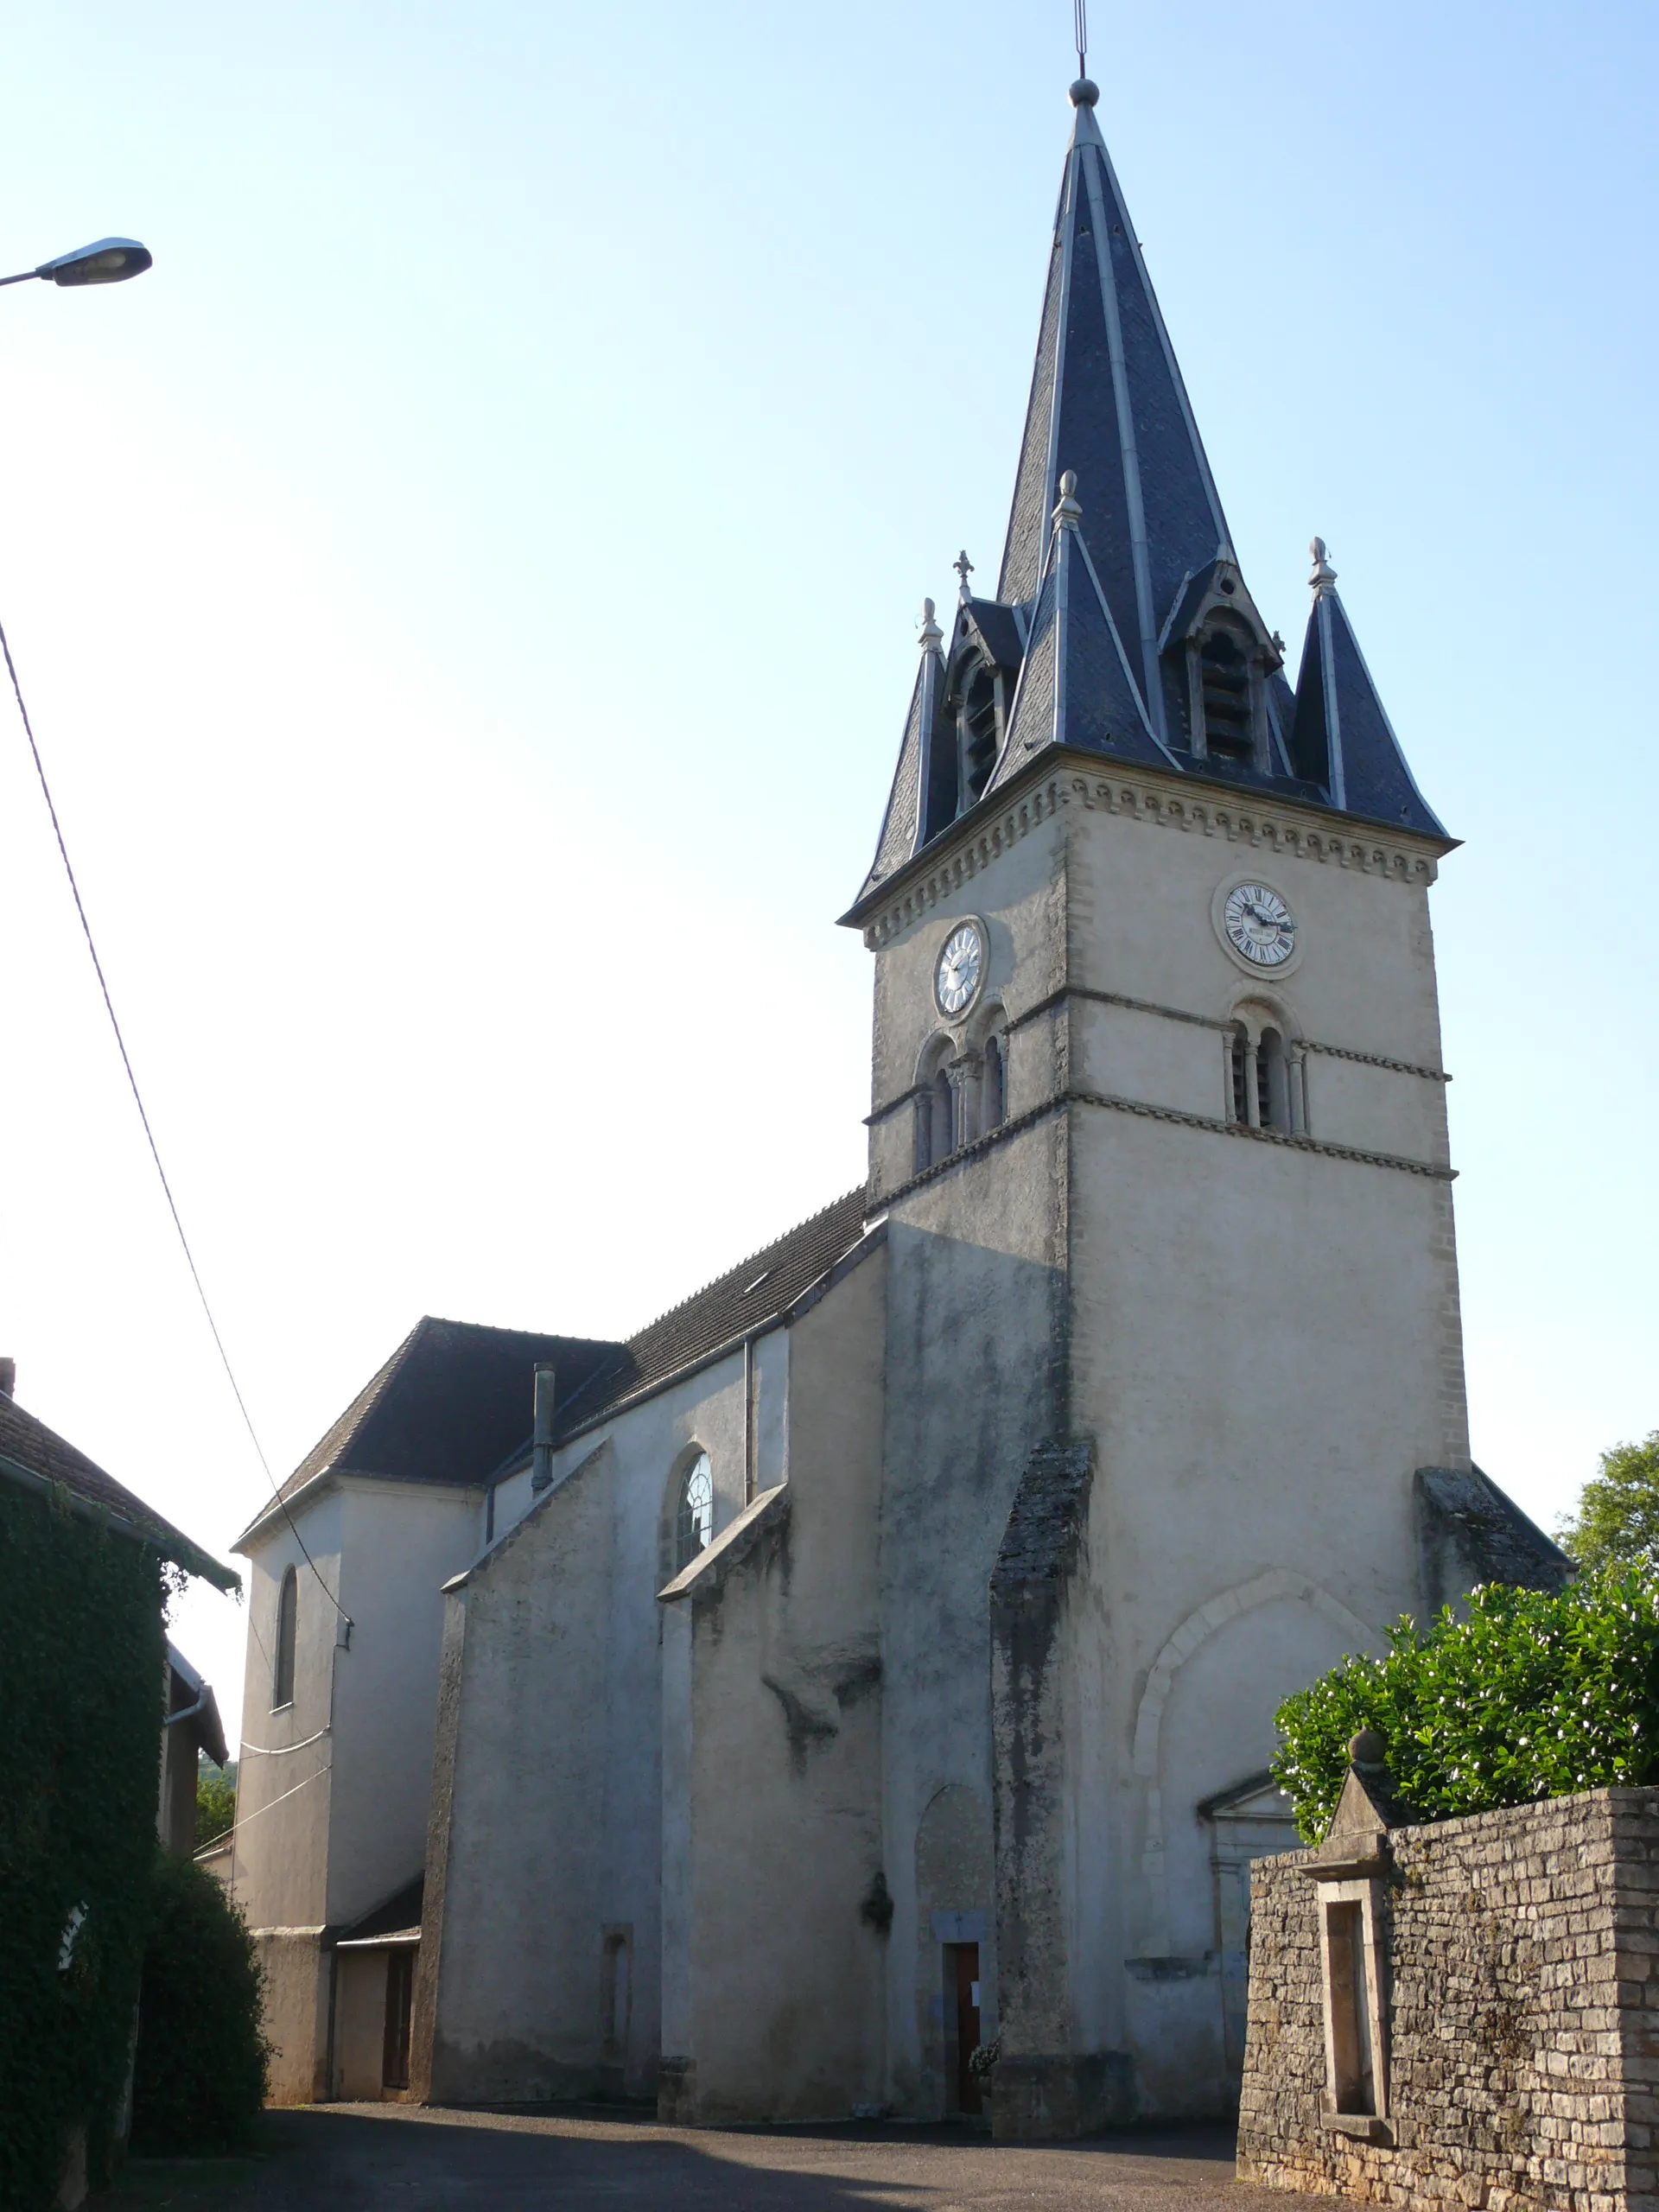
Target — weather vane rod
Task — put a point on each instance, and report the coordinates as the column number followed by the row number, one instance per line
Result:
column 1080, row 10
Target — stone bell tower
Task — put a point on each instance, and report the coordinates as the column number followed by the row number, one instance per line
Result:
column 1174, row 1378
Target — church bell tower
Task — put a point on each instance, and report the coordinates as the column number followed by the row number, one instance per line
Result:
column 1174, row 1366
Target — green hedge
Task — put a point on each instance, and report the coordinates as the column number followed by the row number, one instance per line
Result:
column 81, row 1654
column 1532, row 1696
column 201, row 2072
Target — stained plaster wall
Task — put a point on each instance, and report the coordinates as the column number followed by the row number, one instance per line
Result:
column 402, row 1543
column 280, row 1858
column 776, row 1948
column 1265, row 1346
column 1261, row 1339
column 546, row 1822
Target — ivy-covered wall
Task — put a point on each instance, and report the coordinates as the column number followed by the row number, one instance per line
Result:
column 81, row 1654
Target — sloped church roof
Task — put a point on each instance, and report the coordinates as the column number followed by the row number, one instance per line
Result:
column 1118, row 547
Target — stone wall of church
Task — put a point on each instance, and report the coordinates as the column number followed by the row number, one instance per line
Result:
column 777, row 1912
column 1520, row 1966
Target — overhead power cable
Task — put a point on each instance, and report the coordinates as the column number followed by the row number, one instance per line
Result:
column 150, row 1134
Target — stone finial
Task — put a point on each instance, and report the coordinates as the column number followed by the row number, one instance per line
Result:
column 1369, row 1750
column 964, row 569
column 1067, row 513
column 1324, row 576
column 932, row 637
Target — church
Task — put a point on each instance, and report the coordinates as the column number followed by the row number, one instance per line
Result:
column 852, row 1694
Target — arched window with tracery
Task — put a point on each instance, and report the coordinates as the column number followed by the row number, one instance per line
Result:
column 287, row 1606
column 694, row 1518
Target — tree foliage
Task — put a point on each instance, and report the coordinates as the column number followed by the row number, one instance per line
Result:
column 215, row 1801
column 1617, row 1519
column 200, row 2076
column 1533, row 1695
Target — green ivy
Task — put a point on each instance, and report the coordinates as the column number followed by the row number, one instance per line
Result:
column 81, row 1655
column 199, row 2077
column 1532, row 1696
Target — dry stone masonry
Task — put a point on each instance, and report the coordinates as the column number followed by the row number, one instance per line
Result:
column 1517, row 2001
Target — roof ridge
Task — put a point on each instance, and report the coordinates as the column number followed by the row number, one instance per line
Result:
column 859, row 1190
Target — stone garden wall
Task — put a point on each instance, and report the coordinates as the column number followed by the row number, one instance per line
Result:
column 1518, row 1957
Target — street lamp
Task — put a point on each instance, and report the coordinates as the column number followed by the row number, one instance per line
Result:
column 106, row 260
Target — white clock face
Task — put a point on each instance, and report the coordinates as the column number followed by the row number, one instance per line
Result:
column 1260, row 925
column 962, row 963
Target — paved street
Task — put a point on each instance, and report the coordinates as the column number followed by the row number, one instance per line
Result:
column 372, row 2158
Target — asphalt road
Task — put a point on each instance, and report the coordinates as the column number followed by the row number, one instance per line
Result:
column 375, row 2158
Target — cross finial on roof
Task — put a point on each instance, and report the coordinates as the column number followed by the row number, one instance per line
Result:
column 932, row 637
column 964, row 569
column 1324, row 575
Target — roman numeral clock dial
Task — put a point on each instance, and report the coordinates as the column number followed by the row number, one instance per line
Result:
column 961, row 970
column 1259, row 925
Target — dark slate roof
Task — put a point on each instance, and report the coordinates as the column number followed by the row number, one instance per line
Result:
column 1108, row 404
column 450, row 1402
column 1465, row 1515
column 37, row 1458
column 1081, row 409
column 1078, row 688
column 901, row 825
column 1341, row 736
column 745, row 1297
column 996, row 629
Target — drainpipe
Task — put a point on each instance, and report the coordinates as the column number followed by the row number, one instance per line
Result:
column 542, row 1448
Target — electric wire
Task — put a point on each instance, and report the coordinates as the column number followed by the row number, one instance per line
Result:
column 150, row 1134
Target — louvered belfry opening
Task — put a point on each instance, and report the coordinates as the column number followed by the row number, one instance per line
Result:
column 1241, row 1094
column 1224, row 672
column 976, row 722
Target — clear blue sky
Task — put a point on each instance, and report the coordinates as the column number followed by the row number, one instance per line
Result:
column 466, row 593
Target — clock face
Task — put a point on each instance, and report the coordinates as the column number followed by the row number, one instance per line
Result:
column 962, row 965
column 1259, row 925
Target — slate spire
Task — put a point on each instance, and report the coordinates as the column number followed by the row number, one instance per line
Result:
column 1108, row 403
column 1121, row 624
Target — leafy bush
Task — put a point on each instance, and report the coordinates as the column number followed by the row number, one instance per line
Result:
column 201, row 2072
column 215, row 1801
column 1533, row 1696
column 81, row 1654
column 1617, row 1519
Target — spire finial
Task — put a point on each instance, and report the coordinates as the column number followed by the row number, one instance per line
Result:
column 932, row 637
column 964, row 569
column 1067, row 512
column 1324, row 576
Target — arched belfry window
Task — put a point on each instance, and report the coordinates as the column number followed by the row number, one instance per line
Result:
column 979, row 731
column 288, row 1604
column 1265, row 1089
column 694, row 1519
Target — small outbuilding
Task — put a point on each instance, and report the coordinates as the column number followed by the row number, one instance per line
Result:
column 1459, row 2013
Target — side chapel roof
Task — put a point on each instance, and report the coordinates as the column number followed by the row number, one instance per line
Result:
column 1103, row 579
column 452, row 1400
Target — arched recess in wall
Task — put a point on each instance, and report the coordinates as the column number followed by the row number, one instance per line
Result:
column 688, row 1517
column 955, row 1929
column 1279, row 1583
